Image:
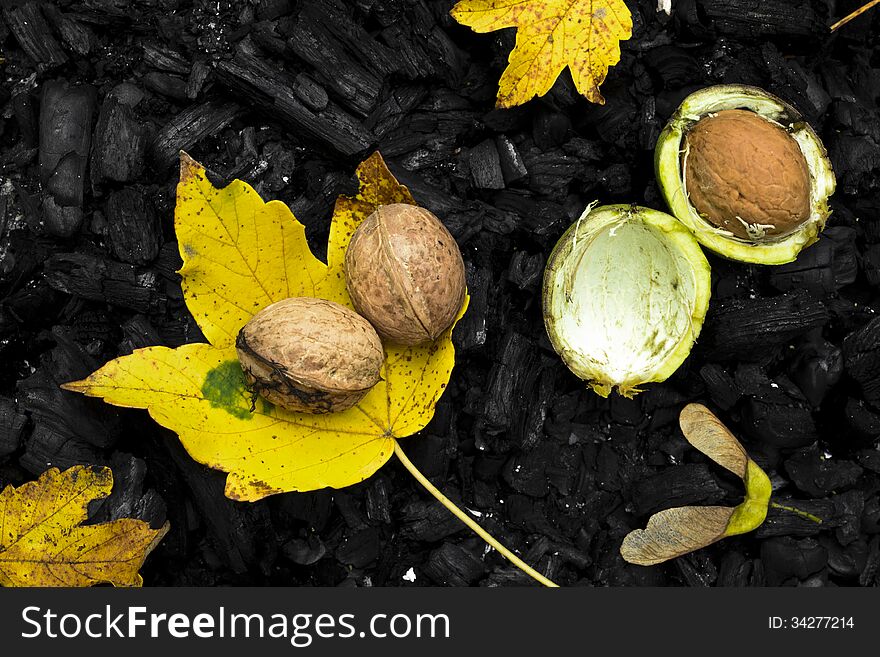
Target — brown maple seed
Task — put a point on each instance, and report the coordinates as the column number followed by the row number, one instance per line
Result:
column 405, row 274
column 746, row 175
column 310, row 355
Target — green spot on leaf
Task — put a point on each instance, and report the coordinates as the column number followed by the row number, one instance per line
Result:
column 225, row 388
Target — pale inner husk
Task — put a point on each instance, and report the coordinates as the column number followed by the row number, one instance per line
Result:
column 628, row 304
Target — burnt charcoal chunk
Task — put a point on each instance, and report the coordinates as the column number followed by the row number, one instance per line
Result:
column 104, row 280
column 485, row 166
column 428, row 521
column 133, row 227
column 33, row 34
column 189, row 128
column 305, row 551
column 360, row 548
column 818, row 368
column 512, row 166
column 863, row 421
column 861, row 352
column 786, row 559
column 788, row 517
column 819, row 476
column 120, row 142
column 526, row 271
column 527, row 473
column 471, row 331
column 453, row 565
column 66, row 113
column 12, row 424
column 128, row 498
column 682, row 485
column 75, row 35
column 752, row 329
column 721, row 386
column 822, row 268
column 784, row 425
column 510, row 381
column 757, row 18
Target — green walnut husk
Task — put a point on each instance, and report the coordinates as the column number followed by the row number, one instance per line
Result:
column 625, row 293
column 670, row 156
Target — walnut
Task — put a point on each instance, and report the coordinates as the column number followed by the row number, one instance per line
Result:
column 746, row 175
column 310, row 355
column 405, row 274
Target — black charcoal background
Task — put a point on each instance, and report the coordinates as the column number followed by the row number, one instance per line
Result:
column 98, row 96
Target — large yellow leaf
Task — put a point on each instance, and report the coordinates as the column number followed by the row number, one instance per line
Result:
column 241, row 254
column 43, row 543
column 552, row 34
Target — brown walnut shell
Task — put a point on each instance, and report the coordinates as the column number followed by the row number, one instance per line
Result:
column 747, row 175
column 310, row 355
column 405, row 274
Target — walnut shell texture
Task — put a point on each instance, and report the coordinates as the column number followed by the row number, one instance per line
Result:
column 310, row 355
column 405, row 273
column 747, row 175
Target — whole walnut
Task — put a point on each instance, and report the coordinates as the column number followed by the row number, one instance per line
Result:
column 746, row 175
column 405, row 274
column 310, row 355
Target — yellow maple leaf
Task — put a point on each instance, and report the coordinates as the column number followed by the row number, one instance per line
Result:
column 240, row 255
column 43, row 543
column 552, row 34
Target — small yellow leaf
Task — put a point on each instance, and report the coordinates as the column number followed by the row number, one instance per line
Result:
column 199, row 390
column 43, row 543
column 552, row 34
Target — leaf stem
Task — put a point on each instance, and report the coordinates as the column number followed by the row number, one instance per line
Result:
column 798, row 512
column 858, row 12
column 466, row 519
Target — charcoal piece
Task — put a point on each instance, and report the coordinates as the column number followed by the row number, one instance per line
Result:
column 822, row 268
column 752, row 329
column 784, row 425
column 119, row 143
column 526, row 271
column 430, row 454
column 782, row 521
column 128, row 498
column 681, row 485
column 189, row 127
column 485, row 166
column 753, row 18
column 551, row 172
column 817, row 369
column 99, row 279
column 170, row 86
column 512, row 166
column 428, row 521
column 65, row 134
column 164, row 59
column 530, row 514
column 133, row 228
column 509, row 381
column 353, row 85
column 786, row 558
column 721, row 386
column 452, row 564
column 268, row 10
column 696, row 571
column 393, row 108
column 471, row 331
column 856, row 161
column 848, row 508
column 77, row 36
column 527, row 473
column 871, row 265
column 868, row 576
column 26, row 117
column 259, row 83
column 12, row 424
column 378, row 507
column 674, row 66
column 735, row 570
column 870, row 460
column 312, row 94
column 360, row 548
column 861, row 353
column 138, row 333
column 848, row 562
column 423, row 47
column 305, row 551
column 818, row 476
column 241, row 533
column 45, row 447
column 350, row 510
column 33, row 34
column 195, row 81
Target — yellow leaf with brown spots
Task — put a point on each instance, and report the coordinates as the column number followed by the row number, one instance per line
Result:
column 584, row 35
column 241, row 254
column 44, row 543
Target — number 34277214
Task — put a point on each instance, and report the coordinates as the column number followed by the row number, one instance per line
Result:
column 811, row 623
